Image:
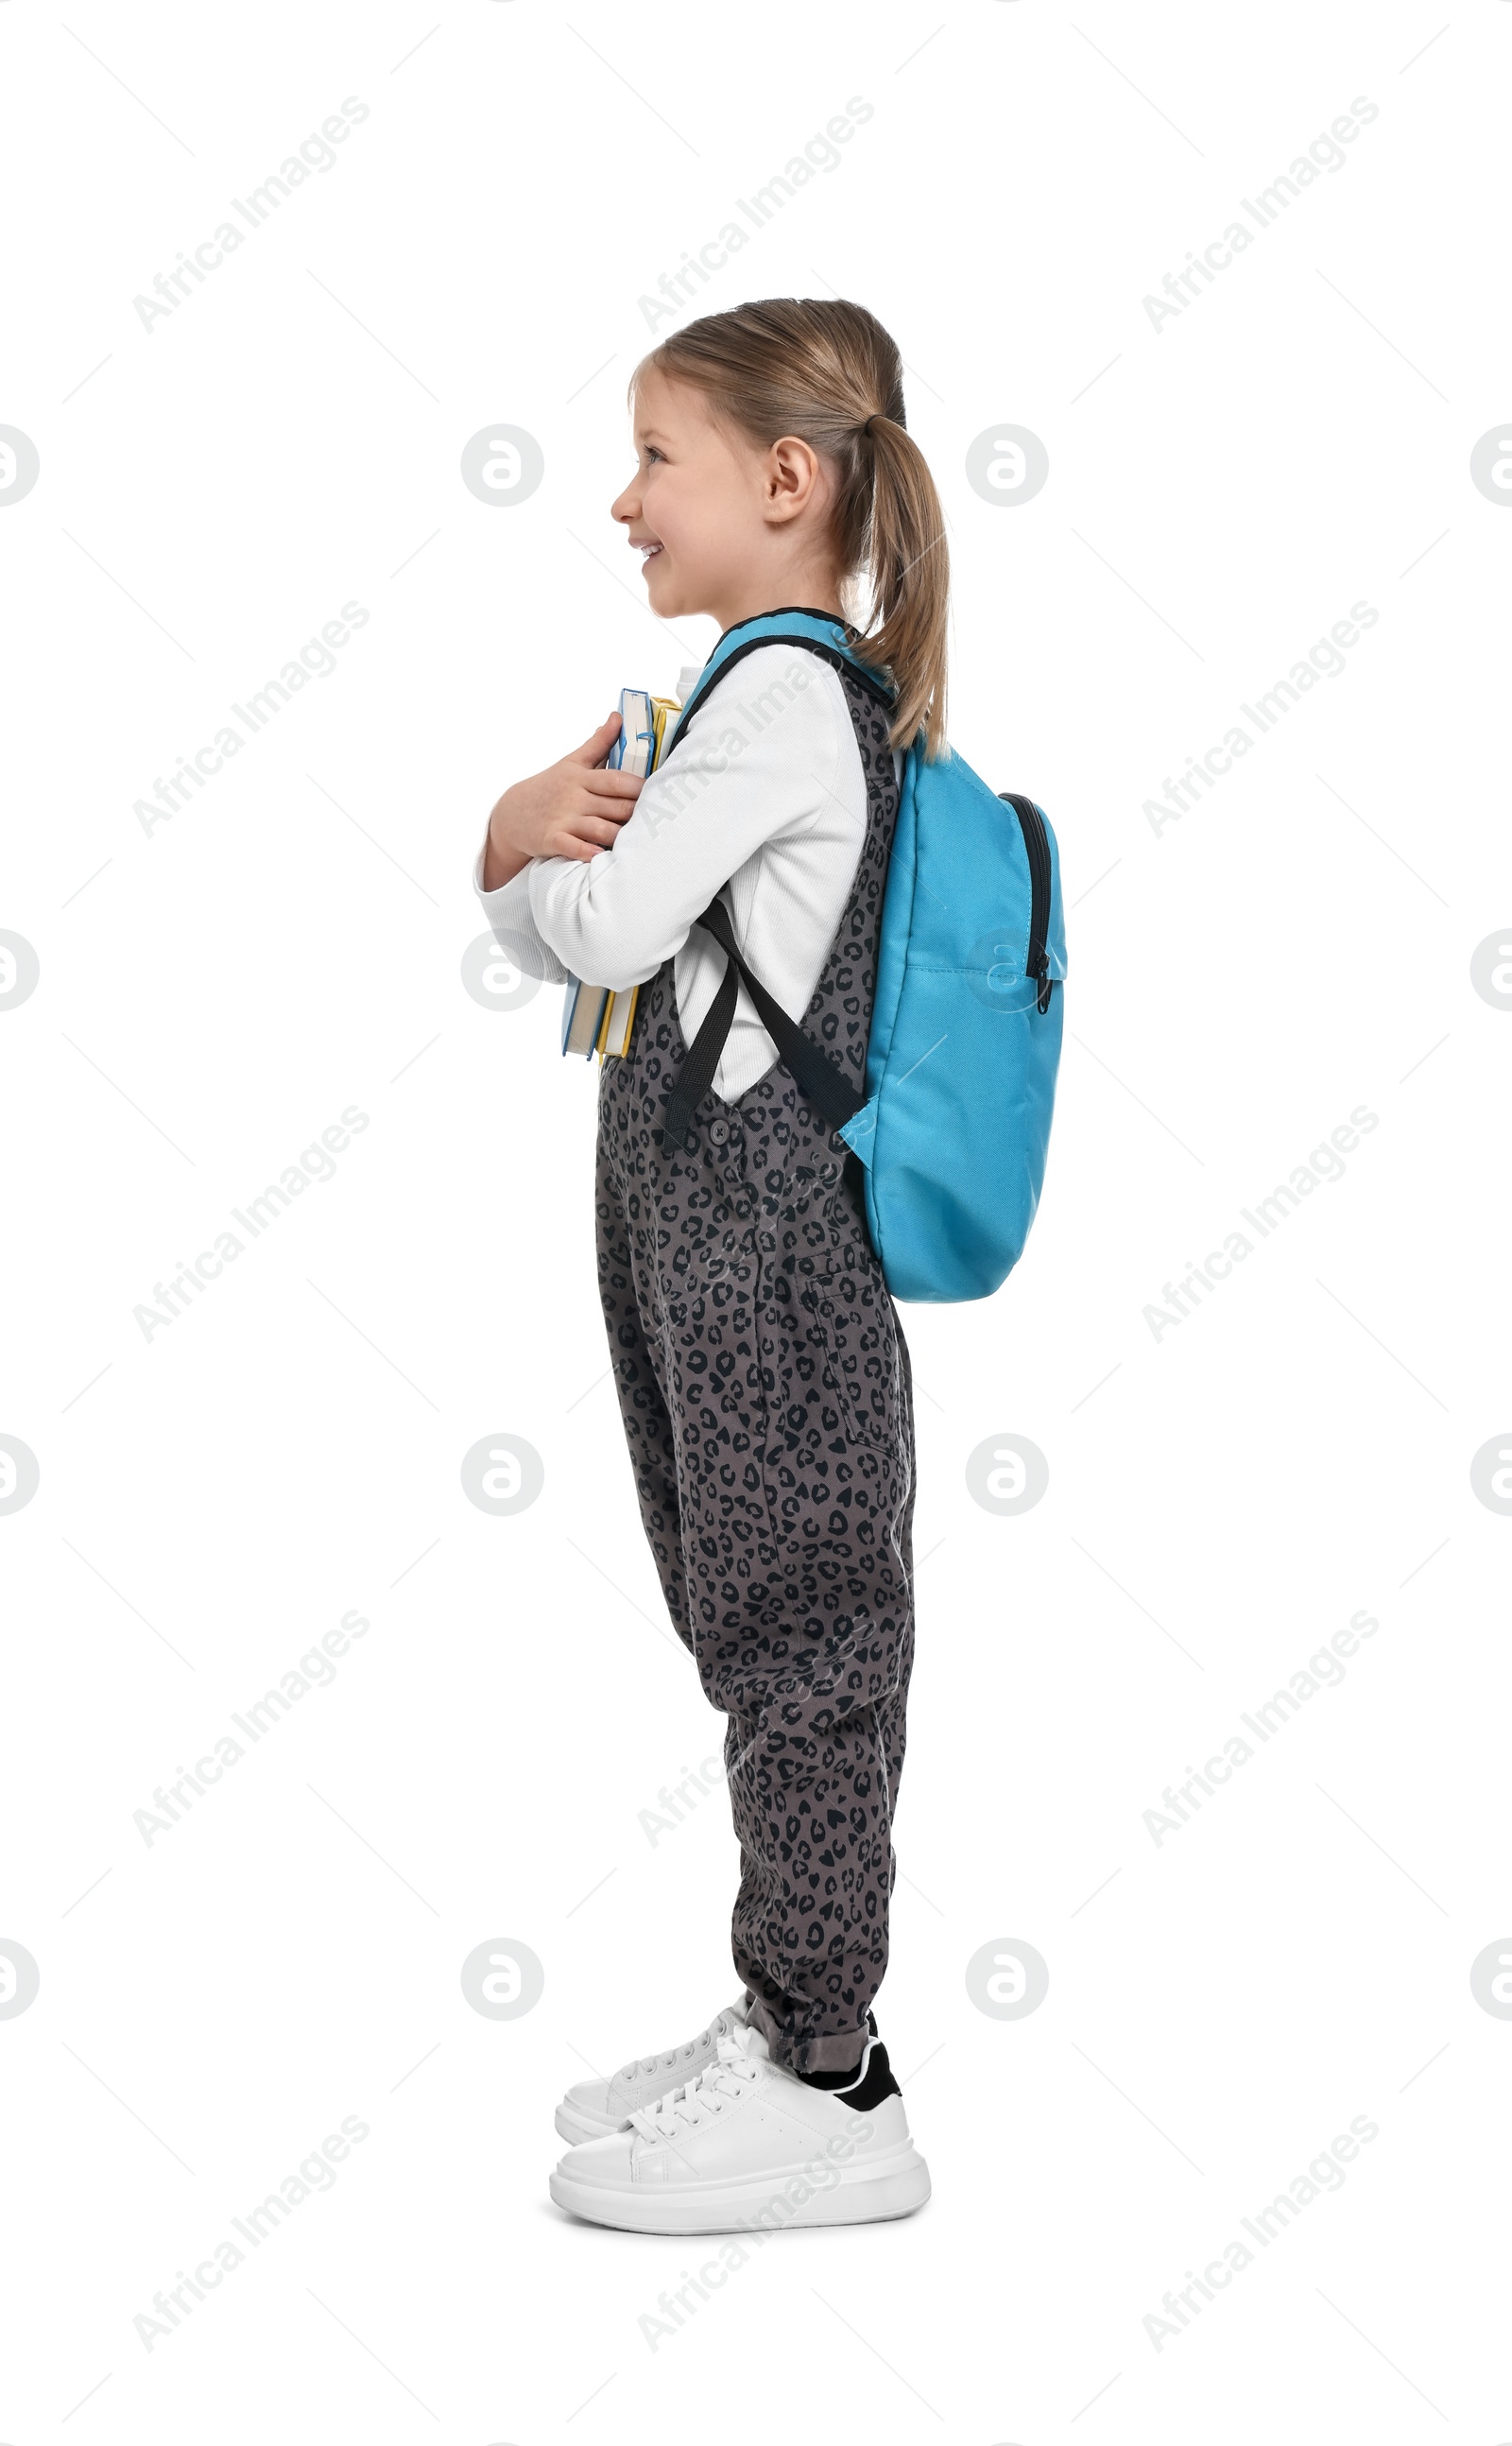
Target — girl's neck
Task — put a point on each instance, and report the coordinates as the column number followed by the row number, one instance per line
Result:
column 750, row 602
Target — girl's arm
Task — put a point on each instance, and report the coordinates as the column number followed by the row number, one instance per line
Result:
column 762, row 761
column 572, row 810
column 508, row 911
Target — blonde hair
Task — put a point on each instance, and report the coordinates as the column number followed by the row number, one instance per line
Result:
column 827, row 373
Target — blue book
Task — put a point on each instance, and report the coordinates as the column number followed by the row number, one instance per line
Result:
column 634, row 751
column 582, row 1016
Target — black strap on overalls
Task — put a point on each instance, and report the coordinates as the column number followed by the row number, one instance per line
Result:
column 827, row 1089
column 824, row 1085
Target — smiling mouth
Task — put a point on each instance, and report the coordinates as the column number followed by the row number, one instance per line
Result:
column 648, row 551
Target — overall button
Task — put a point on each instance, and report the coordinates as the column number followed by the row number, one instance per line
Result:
column 719, row 1131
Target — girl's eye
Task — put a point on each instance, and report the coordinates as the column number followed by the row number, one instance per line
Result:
column 652, row 452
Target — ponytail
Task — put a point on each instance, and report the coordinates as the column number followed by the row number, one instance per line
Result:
column 908, row 570
column 830, row 375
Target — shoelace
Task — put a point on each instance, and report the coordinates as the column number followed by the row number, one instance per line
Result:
column 717, row 2029
column 732, row 2071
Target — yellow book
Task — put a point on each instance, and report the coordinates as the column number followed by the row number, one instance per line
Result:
column 617, row 1023
column 619, row 1012
column 662, row 709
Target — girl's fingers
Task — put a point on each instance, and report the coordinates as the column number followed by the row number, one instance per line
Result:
column 583, row 837
column 606, row 784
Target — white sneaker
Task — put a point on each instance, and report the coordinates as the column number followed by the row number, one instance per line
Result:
column 746, row 2146
column 591, row 2108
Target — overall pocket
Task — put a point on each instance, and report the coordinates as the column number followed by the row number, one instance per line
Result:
column 853, row 1328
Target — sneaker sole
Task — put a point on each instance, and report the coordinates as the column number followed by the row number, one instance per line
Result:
column 869, row 2195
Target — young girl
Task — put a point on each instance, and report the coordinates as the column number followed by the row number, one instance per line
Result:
column 762, row 1373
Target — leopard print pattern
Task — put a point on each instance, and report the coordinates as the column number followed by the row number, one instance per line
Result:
column 767, row 1399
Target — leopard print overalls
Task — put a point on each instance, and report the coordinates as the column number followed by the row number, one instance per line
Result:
column 765, row 1389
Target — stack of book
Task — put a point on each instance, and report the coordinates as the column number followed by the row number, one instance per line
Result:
column 594, row 1019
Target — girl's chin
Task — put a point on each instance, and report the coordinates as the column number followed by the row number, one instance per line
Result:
column 667, row 599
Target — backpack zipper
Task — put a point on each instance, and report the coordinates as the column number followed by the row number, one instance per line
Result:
column 1037, row 848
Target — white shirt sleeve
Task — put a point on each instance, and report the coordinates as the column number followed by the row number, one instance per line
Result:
column 508, row 911
column 759, row 763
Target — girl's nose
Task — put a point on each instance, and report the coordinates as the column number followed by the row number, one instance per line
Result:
column 625, row 508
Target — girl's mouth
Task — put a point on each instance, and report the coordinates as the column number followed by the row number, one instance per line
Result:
column 648, row 551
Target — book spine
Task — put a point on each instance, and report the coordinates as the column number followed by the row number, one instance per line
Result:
column 616, row 1042
column 617, row 1013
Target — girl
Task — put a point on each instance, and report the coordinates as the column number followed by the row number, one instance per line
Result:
column 762, row 1373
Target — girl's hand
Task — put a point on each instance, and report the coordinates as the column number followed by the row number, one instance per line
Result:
column 573, row 809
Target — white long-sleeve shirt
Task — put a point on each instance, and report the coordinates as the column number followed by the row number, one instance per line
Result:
column 768, row 796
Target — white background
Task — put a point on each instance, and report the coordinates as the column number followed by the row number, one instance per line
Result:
column 215, row 992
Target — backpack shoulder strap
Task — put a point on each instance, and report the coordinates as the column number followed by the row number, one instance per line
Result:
column 816, row 633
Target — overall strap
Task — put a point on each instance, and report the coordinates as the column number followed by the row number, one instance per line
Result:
column 822, row 1082
column 829, row 1092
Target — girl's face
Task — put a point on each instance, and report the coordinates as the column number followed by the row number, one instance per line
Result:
column 723, row 526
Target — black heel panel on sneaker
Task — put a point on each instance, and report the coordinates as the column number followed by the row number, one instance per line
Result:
column 876, row 2081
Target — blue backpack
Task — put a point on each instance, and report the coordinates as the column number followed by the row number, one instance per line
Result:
column 966, row 1023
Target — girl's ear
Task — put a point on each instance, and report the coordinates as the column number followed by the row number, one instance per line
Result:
column 791, row 478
